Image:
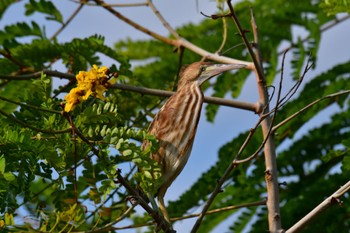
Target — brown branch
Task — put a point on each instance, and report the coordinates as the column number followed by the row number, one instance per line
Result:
column 214, row 211
column 37, row 75
column 210, row 100
column 114, row 4
column 109, row 226
column 162, row 20
column 331, row 200
column 77, row 132
column 223, row 178
column 25, row 125
column 334, row 95
column 142, row 90
column 68, row 20
column 274, row 219
column 180, row 42
column 155, row 214
column 136, row 25
column 269, row 148
column 30, row 106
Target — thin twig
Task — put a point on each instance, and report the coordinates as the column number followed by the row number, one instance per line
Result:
column 142, row 90
column 210, row 100
column 180, row 42
column 25, row 125
column 114, row 4
column 30, row 106
column 274, row 111
column 296, row 86
column 109, row 226
column 37, row 75
column 110, row 196
column 269, row 148
column 68, row 21
column 220, row 6
column 155, row 215
column 214, row 211
column 76, row 131
column 223, row 178
column 309, row 106
column 162, row 20
column 331, row 200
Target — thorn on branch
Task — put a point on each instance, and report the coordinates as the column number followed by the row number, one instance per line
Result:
column 336, row 200
column 133, row 200
column 284, row 183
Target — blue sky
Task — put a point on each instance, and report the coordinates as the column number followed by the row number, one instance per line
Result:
column 229, row 122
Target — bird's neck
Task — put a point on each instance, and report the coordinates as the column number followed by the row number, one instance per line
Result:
column 190, row 99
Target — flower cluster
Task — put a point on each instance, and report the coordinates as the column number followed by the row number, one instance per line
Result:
column 94, row 82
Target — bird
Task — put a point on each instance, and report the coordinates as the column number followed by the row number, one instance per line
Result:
column 175, row 125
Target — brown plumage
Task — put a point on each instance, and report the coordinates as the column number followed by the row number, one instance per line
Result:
column 176, row 123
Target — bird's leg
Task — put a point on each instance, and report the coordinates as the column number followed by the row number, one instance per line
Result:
column 163, row 209
column 160, row 209
column 153, row 201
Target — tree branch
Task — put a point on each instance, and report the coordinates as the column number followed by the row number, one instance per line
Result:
column 68, row 20
column 25, row 125
column 142, row 90
column 331, row 200
column 334, row 95
column 269, row 148
column 180, row 42
column 155, row 215
column 162, row 20
column 214, row 211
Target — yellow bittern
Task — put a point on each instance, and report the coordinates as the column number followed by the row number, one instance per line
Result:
column 176, row 123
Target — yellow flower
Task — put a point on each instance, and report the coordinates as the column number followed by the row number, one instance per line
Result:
column 73, row 98
column 94, row 82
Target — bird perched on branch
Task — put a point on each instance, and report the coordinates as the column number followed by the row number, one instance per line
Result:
column 176, row 123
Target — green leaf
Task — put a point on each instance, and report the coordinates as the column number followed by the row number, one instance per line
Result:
column 22, row 29
column 4, row 4
column 333, row 7
column 9, row 176
column 46, row 7
column 2, row 164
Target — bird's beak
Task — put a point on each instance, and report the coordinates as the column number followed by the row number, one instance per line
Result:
column 216, row 69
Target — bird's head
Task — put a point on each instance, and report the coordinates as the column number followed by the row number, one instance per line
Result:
column 199, row 72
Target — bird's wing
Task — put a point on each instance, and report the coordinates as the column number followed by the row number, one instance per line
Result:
column 164, row 121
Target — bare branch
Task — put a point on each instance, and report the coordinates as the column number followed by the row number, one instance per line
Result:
column 211, row 100
column 229, row 169
column 334, row 95
column 331, row 200
column 116, row 4
column 214, row 211
column 180, row 42
column 109, row 226
column 269, row 148
column 162, row 20
column 68, row 21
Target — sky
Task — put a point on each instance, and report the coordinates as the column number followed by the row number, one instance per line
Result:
column 229, row 122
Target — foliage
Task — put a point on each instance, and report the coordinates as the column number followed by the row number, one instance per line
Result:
column 333, row 7
column 60, row 168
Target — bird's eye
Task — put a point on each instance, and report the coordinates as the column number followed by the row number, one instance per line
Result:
column 203, row 68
